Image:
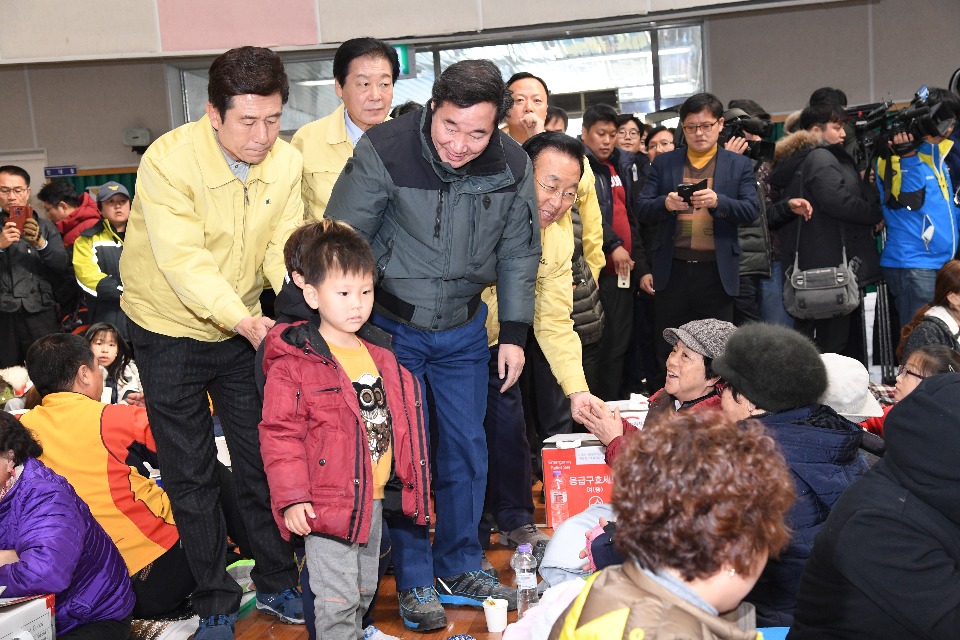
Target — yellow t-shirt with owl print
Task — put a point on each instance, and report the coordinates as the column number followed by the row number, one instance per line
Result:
column 368, row 385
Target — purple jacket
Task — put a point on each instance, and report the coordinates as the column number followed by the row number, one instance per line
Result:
column 62, row 551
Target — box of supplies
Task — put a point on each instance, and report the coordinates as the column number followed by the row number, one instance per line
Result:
column 579, row 457
column 28, row 618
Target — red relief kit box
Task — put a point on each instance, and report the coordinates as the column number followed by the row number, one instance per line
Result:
column 580, row 459
column 27, row 618
column 586, row 477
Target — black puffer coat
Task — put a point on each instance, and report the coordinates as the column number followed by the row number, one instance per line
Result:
column 843, row 207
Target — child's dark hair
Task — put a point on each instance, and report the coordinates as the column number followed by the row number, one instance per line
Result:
column 317, row 247
column 118, row 367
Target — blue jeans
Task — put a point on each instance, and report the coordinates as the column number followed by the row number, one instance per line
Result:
column 454, row 363
column 911, row 289
column 771, row 297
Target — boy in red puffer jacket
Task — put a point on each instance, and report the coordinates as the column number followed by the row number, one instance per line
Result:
column 341, row 418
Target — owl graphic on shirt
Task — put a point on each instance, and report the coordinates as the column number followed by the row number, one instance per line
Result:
column 375, row 414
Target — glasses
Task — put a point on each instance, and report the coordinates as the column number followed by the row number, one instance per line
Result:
column 5, row 191
column 568, row 197
column 706, row 127
column 660, row 145
column 628, row 133
column 903, row 370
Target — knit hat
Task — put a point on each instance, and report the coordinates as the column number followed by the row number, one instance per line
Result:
column 848, row 388
column 774, row 367
column 706, row 337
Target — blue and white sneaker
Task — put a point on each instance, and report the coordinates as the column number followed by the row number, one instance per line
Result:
column 286, row 605
column 421, row 610
column 472, row 588
column 218, row 627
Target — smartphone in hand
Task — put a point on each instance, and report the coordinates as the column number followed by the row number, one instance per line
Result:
column 686, row 190
column 19, row 215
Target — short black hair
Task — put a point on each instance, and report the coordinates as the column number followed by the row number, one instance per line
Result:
column 827, row 95
column 13, row 169
column 624, row 118
column 406, row 107
column 471, row 82
column 751, row 107
column 57, row 191
column 700, row 101
column 554, row 113
column 599, row 113
column 820, row 114
column 53, row 361
column 315, row 249
column 523, row 75
column 560, row 142
column 246, row 70
column 16, row 437
column 355, row 48
column 950, row 101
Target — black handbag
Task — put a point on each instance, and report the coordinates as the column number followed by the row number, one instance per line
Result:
column 820, row 294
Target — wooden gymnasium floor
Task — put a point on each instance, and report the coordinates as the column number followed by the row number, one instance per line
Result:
column 255, row 625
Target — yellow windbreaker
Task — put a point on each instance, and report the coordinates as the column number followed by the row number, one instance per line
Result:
column 199, row 242
column 326, row 147
column 553, row 304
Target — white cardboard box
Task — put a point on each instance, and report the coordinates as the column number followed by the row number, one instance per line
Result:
column 27, row 618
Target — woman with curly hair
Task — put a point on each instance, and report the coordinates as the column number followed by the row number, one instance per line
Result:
column 49, row 543
column 939, row 321
column 701, row 503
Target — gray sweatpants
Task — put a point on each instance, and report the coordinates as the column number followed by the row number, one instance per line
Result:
column 343, row 578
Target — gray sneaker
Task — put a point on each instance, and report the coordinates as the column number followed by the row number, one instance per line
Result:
column 526, row 534
column 421, row 610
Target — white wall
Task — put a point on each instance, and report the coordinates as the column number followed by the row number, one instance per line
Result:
column 871, row 49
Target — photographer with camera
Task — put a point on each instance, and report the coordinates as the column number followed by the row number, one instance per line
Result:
column 746, row 124
column 811, row 164
column 919, row 201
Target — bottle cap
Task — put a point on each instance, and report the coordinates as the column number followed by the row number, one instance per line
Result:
column 556, row 473
column 524, row 548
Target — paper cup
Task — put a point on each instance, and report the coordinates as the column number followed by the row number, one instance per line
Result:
column 496, row 614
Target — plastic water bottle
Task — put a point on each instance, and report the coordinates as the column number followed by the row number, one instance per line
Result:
column 525, row 566
column 559, row 509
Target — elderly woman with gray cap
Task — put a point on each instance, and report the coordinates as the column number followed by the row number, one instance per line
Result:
column 691, row 383
column 775, row 375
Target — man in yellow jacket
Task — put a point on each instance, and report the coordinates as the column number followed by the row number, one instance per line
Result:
column 364, row 70
column 557, row 166
column 215, row 202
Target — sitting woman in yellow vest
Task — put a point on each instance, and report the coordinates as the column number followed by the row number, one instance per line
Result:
column 87, row 442
column 701, row 503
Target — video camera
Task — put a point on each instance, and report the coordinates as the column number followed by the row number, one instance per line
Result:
column 738, row 121
column 876, row 126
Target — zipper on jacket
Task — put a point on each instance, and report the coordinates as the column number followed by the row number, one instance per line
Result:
column 436, row 228
column 359, row 485
column 296, row 408
column 327, row 390
column 246, row 196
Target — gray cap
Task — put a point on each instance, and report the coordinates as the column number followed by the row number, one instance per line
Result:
column 707, row 337
column 110, row 189
column 848, row 388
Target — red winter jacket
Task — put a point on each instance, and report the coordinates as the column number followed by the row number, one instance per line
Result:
column 84, row 217
column 313, row 441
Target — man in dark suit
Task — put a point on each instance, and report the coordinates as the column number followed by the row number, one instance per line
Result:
column 696, row 251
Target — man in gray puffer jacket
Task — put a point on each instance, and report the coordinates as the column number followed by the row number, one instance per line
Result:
column 448, row 204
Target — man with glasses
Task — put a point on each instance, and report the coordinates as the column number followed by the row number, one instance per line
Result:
column 32, row 262
column 618, row 280
column 696, row 260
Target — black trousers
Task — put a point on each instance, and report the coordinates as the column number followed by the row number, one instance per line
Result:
column 163, row 586
column 177, row 374
column 509, row 474
column 99, row 630
column 20, row 330
column 604, row 380
column 694, row 292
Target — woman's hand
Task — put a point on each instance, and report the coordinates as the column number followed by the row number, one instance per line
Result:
column 599, row 421
column 591, row 535
column 8, row 556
